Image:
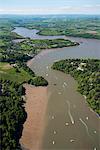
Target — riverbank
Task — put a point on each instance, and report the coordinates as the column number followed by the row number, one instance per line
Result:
column 35, row 106
column 86, row 73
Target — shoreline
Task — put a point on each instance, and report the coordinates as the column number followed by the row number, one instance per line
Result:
column 29, row 62
column 65, row 36
column 35, row 106
column 25, row 145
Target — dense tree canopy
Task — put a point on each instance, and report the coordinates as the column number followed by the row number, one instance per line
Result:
column 12, row 114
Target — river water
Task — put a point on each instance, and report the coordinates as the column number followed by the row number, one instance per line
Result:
column 70, row 122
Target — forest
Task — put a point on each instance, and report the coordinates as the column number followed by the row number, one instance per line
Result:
column 12, row 114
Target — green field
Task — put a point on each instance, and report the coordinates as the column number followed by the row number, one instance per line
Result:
column 86, row 27
column 20, row 75
column 12, row 74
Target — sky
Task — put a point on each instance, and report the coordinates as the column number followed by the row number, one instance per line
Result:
column 50, row 7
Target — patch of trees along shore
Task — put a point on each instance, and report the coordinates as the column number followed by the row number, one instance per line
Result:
column 87, row 73
column 12, row 114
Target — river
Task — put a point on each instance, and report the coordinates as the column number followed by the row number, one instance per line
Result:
column 70, row 122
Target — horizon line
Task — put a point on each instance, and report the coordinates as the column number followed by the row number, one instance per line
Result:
column 50, row 14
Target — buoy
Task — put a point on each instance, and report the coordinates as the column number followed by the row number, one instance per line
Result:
column 72, row 121
column 59, row 93
column 47, row 75
column 95, row 131
column 54, row 132
column 66, row 123
column 65, row 83
column 53, row 117
column 72, row 140
column 87, row 118
column 53, row 142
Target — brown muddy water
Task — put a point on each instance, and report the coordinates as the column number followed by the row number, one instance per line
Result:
column 70, row 122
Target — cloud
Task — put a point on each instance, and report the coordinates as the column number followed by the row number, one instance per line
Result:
column 85, row 9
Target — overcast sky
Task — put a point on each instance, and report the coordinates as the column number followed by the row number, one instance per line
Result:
column 49, row 6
